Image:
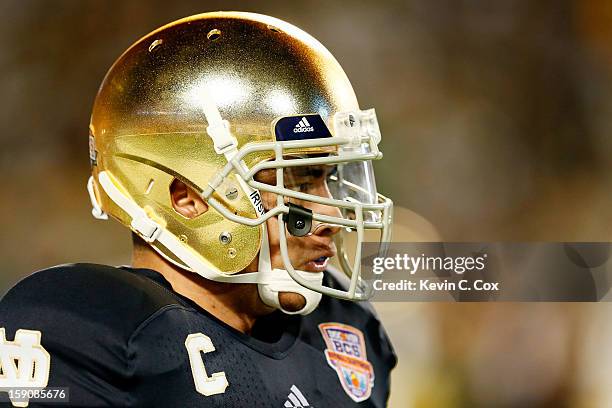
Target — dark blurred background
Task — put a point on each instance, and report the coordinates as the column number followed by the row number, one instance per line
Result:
column 496, row 120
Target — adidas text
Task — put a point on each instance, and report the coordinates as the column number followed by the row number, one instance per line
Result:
column 303, row 126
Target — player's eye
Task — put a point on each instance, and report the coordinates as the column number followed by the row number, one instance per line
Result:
column 304, row 187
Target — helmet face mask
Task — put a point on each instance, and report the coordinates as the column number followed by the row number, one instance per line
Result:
column 300, row 180
column 248, row 141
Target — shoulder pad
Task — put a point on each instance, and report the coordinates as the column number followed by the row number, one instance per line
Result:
column 89, row 294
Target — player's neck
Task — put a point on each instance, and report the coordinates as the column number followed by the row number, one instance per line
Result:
column 238, row 305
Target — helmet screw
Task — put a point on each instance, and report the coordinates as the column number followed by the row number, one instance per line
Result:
column 351, row 121
column 231, row 193
column 299, row 224
column 183, row 238
column 225, row 238
column 231, row 252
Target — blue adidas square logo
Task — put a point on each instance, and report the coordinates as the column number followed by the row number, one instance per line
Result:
column 301, row 127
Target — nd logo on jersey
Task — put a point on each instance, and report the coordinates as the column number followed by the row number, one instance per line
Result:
column 32, row 369
column 346, row 354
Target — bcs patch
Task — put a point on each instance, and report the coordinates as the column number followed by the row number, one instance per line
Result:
column 346, row 353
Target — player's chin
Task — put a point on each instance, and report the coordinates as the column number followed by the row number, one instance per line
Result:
column 291, row 302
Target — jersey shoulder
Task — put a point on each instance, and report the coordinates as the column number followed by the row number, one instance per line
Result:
column 94, row 296
column 334, row 278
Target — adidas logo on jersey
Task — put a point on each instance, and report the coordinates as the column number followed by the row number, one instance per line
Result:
column 296, row 399
column 303, row 126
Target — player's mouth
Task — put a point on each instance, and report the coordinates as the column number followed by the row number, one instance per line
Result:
column 317, row 265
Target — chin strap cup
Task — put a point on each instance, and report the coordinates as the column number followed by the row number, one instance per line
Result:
column 273, row 281
column 283, row 282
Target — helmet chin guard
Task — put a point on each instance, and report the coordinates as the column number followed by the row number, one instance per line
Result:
column 269, row 292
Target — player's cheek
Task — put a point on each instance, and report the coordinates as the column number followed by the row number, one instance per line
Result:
column 268, row 200
column 296, row 246
column 273, row 235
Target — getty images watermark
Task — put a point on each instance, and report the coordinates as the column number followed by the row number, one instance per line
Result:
column 488, row 271
column 412, row 264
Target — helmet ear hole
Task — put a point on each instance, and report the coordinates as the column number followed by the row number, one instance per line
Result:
column 155, row 44
column 186, row 201
column 213, row 34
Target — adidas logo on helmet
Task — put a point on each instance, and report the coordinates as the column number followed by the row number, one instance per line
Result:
column 303, row 126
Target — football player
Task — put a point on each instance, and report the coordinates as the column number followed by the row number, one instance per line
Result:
column 233, row 147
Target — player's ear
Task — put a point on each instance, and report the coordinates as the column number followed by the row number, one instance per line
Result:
column 185, row 200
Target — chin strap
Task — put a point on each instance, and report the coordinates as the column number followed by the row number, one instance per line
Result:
column 96, row 210
column 279, row 280
column 270, row 281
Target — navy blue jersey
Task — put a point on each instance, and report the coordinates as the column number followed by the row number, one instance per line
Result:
column 123, row 337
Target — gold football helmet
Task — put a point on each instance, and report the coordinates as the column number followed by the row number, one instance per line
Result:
column 212, row 100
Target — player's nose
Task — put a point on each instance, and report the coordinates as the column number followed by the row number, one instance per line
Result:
column 327, row 229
